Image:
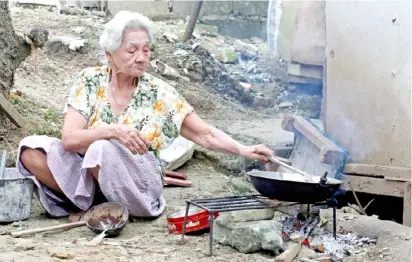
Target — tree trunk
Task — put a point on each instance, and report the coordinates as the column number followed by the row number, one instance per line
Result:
column 14, row 48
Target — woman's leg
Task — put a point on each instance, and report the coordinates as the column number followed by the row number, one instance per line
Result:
column 132, row 180
column 35, row 161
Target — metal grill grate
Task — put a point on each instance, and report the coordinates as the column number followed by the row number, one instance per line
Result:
column 231, row 203
column 235, row 203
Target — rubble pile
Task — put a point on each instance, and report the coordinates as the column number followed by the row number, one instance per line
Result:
column 239, row 70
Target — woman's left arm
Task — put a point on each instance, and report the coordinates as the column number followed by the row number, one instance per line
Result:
column 195, row 129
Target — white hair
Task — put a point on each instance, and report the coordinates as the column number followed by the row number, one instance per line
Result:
column 112, row 35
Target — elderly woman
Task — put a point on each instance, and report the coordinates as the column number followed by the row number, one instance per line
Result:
column 117, row 118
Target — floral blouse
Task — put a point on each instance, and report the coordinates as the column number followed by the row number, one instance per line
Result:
column 157, row 110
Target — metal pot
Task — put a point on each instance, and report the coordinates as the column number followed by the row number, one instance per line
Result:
column 292, row 187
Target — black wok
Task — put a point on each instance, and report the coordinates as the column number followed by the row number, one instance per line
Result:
column 291, row 187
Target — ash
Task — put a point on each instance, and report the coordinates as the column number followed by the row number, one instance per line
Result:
column 344, row 245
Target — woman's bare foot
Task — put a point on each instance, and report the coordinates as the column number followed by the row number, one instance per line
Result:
column 77, row 216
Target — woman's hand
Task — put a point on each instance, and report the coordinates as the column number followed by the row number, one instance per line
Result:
column 257, row 152
column 130, row 137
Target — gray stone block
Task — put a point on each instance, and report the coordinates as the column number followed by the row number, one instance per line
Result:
column 249, row 236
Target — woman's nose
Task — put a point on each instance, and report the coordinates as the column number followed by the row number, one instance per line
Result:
column 140, row 57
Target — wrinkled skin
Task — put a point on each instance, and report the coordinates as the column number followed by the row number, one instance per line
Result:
column 133, row 55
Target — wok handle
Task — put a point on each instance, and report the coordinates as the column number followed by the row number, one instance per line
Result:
column 300, row 172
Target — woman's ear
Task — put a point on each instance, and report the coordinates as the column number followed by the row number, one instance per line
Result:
column 109, row 57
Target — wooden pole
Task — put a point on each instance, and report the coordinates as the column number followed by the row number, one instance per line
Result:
column 197, row 5
column 48, row 229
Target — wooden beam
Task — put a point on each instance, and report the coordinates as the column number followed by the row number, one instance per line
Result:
column 329, row 152
column 406, row 221
column 191, row 24
column 394, row 172
column 373, row 185
column 11, row 112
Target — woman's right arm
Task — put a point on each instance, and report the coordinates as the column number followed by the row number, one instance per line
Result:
column 76, row 138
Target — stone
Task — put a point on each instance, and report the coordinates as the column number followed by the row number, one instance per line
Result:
column 23, row 245
column 349, row 210
column 178, row 153
column 249, row 236
column 171, row 38
column 247, row 51
column 99, row 13
column 240, row 186
column 79, row 30
column 247, row 215
column 27, row 67
column 62, row 255
column 227, row 57
column 65, row 44
column 285, row 105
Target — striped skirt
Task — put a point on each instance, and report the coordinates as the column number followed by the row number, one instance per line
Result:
column 132, row 180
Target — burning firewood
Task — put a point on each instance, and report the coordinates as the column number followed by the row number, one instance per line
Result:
column 316, row 244
column 289, row 254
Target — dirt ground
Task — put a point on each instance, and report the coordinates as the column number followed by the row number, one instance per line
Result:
column 40, row 91
column 142, row 240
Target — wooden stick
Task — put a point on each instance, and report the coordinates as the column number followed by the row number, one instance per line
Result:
column 15, row 117
column 300, row 172
column 289, row 254
column 356, row 198
column 48, row 229
column 191, row 24
column 367, row 205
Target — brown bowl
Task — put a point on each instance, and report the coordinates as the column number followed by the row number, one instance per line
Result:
column 107, row 215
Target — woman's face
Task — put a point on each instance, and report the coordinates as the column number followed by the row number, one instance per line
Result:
column 133, row 56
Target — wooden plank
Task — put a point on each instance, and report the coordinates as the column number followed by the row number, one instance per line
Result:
column 373, row 185
column 403, row 173
column 309, row 71
column 290, row 253
column 309, row 43
column 396, row 179
column 305, row 156
column 407, row 204
column 304, row 80
column 11, row 112
column 329, row 153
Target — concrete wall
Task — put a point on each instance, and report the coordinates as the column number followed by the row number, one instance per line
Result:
column 183, row 8
column 368, row 92
column 287, row 30
column 301, row 37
